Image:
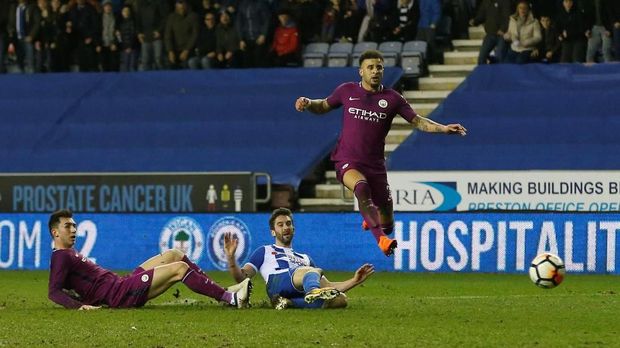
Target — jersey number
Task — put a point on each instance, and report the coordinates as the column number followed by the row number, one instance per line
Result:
column 87, row 229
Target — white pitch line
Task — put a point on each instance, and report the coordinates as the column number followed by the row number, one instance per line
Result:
column 479, row 297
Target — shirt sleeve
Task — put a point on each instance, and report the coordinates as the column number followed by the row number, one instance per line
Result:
column 405, row 110
column 257, row 258
column 59, row 270
column 335, row 99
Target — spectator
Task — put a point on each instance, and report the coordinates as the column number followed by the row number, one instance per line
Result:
column 128, row 40
column 252, row 24
column 349, row 20
column 228, row 43
column 150, row 24
column 23, row 28
column 548, row 49
column 108, row 48
column 523, row 34
column 494, row 14
column 63, row 42
column 382, row 21
column 614, row 17
column 206, row 55
column 84, row 20
column 328, row 22
column 572, row 29
column 47, row 30
column 599, row 29
column 181, row 35
column 408, row 15
column 4, row 19
column 430, row 14
column 285, row 48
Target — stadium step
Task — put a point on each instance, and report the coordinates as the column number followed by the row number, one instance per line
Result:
column 455, row 70
column 460, row 58
column 325, row 204
column 439, row 83
column 333, row 190
column 467, row 45
column 397, row 136
column 425, row 96
column 476, row 33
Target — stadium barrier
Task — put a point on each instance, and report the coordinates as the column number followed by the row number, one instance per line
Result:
column 428, row 242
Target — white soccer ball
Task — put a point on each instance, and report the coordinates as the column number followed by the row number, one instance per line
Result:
column 547, row 271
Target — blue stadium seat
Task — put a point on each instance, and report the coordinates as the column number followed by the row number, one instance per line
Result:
column 359, row 48
column 412, row 57
column 391, row 52
column 339, row 53
column 315, row 54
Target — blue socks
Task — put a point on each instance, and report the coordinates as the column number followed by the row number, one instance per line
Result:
column 311, row 280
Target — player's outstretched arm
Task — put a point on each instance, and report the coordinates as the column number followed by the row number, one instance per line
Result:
column 427, row 125
column 315, row 106
column 230, row 247
column 358, row 278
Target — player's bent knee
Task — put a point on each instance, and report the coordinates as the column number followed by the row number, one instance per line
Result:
column 180, row 270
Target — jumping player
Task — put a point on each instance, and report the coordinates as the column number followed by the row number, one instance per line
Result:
column 368, row 111
column 76, row 282
column 292, row 278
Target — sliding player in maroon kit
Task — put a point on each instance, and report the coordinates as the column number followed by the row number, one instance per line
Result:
column 368, row 111
column 76, row 282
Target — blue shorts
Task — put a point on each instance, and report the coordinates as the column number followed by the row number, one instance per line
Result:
column 282, row 284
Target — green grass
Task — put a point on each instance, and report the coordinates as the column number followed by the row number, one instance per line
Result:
column 390, row 309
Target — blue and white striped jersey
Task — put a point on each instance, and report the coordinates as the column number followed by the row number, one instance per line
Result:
column 272, row 259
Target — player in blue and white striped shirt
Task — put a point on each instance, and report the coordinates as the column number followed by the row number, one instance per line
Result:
column 292, row 278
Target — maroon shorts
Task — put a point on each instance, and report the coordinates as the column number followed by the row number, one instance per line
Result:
column 376, row 177
column 131, row 290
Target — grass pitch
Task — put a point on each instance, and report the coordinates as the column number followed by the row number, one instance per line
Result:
column 390, row 309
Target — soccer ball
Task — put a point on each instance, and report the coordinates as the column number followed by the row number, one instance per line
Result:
column 547, row 271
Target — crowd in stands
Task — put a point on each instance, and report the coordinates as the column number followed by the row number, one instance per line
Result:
column 567, row 31
column 130, row 35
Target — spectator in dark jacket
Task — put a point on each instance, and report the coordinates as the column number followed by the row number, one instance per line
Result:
column 614, row 18
column 599, row 28
column 572, row 29
column 4, row 19
column 228, row 43
column 23, row 32
column 494, row 14
column 548, row 50
column 181, row 35
column 84, row 20
column 128, row 40
column 108, row 45
column 349, row 20
column 252, row 24
column 407, row 16
column 206, row 55
column 150, row 23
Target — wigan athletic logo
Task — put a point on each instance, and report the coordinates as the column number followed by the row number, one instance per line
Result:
column 239, row 230
column 185, row 234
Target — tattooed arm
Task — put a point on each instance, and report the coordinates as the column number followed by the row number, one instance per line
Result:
column 426, row 125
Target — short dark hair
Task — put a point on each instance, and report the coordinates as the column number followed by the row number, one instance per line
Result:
column 55, row 218
column 370, row 54
column 279, row 212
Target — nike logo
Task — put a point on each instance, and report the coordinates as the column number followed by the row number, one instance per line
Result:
column 351, row 98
